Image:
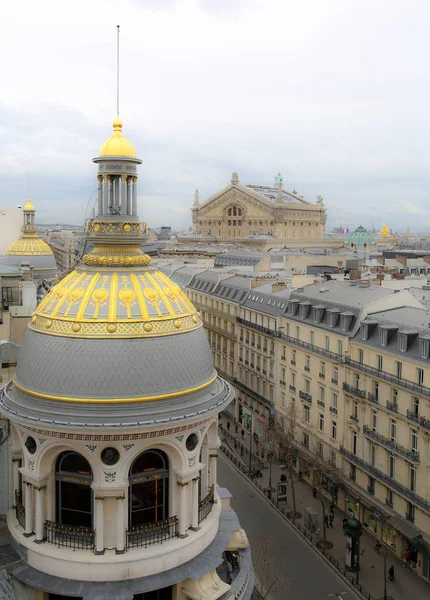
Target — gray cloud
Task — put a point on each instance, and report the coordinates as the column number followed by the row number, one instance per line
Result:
column 336, row 100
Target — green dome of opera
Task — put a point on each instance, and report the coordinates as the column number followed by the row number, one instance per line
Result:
column 360, row 238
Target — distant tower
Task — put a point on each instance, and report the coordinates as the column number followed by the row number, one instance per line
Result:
column 30, row 248
column 195, row 208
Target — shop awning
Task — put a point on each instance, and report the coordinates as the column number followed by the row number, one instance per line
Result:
column 405, row 528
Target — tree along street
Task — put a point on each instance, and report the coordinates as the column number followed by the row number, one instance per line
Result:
column 288, row 557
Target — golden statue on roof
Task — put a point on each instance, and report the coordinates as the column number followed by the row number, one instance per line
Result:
column 385, row 232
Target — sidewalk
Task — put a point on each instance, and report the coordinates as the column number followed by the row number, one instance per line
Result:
column 407, row 584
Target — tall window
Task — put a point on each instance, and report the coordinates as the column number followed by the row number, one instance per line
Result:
column 413, row 478
column 414, row 440
column 149, row 486
column 354, row 442
column 379, row 362
column 373, row 455
column 74, row 504
column 339, row 347
column 374, row 420
column 420, row 376
column 327, row 342
column 393, row 430
column 398, row 369
column 335, row 378
column 334, row 401
column 376, row 389
column 416, row 406
column 360, row 356
column 321, row 422
column 392, row 466
column 306, row 413
column 333, row 429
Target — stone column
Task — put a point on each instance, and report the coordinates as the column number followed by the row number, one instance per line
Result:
column 195, row 505
column 110, row 196
column 134, row 196
column 105, row 194
column 212, row 469
column 182, row 527
column 100, row 194
column 129, row 192
column 15, row 478
column 99, row 524
column 28, row 509
column 204, row 473
column 123, row 198
column 120, row 528
column 40, row 513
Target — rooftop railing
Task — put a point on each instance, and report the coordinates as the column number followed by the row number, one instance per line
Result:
column 158, row 532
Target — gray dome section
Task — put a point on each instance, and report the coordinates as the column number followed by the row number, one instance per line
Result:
column 42, row 261
column 114, row 368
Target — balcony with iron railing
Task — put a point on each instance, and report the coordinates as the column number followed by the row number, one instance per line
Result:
column 354, row 418
column 282, row 382
column 68, row 536
column 353, row 391
column 322, row 375
column 256, row 327
column 380, row 374
column 205, row 505
column 410, row 455
column 321, row 403
column 305, row 396
column 372, row 398
column 292, row 388
column 158, row 532
column 416, row 418
column 392, row 406
column 335, row 381
column 307, row 368
column 389, row 481
column 253, row 393
column 333, row 410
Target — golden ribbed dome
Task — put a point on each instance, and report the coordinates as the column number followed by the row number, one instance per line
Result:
column 118, row 144
column 29, row 205
column 29, row 246
column 115, row 303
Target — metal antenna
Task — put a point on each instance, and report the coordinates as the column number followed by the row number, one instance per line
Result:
column 117, row 71
column 28, row 185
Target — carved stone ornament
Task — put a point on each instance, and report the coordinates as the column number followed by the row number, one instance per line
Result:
column 110, row 477
column 209, row 587
column 91, row 447
column 128, row 447
column 238, row 541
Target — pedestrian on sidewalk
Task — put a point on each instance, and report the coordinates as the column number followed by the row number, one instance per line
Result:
column 228, row 426
column 332, row 509
column 326, row 521
column 314, row 492
column 331, row 517
column 243, row 433
column 283, row 478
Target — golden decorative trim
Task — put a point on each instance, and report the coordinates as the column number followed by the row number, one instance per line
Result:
column 116, row 261
column 114, row 400
column 119, row 497
column 182, row 484
column 33, row 246
column 113, row 249
column 127, row 328
column 113, row 227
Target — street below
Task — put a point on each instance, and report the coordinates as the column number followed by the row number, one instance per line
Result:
column 288, row 555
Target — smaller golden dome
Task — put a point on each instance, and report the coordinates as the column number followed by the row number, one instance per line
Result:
column 118, row 144
column 29, row 205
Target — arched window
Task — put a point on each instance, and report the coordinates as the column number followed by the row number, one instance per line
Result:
column 73, row 477
column 149, row 488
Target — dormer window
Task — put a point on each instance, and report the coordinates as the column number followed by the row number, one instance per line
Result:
column 403, row 342
column 425, row 349
column 364, row 331
column 304, row 309
column 332, row 317
column 292, row 307
column 383, row 337
column 318, row 313
column 345, row 321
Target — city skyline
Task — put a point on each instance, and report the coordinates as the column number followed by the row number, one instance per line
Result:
column 326, row 96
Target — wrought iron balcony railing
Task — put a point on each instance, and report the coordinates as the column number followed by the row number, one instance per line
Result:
column 398, row 381
column 19, row 509
column 305, row 396
column 70, row 536
column 143, row 536
column 253, row 393
column 333, row 410
column 411, row 455
column 255, row 326
column 353, row 391
column 205, row 505
column 392, row 483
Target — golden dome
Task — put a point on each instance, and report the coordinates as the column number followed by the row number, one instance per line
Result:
column 29, row 246
column 118, row 144
column 128, row 303
column 29, row 205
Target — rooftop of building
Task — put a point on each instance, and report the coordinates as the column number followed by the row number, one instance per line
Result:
column 343, row 293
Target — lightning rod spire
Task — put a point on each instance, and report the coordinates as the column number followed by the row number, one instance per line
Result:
column 117, row 71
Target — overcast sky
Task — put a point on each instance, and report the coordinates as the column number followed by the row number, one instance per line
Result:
column 334, row 94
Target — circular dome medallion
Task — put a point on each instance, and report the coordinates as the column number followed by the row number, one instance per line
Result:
column 100, row 295
column 109, row 456
column 150, row 294
column 30, row 444
column 148, row 327
column 127, row 227
column 127, row 295
column 111, row 328
column 177, row 323
column 76, row 327
column 191, row 442
column 48, row 324
column 77, row 293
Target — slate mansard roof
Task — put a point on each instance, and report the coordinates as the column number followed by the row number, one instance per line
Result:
column 411, row 324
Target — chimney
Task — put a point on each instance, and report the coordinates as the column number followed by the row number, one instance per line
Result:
column 381, row 259
column 401, row 258
column 364, row 284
